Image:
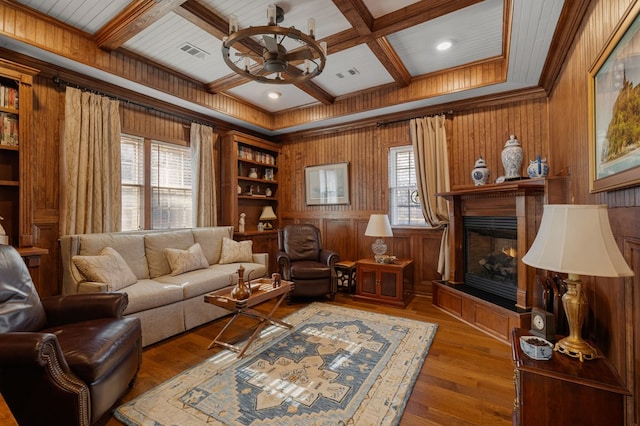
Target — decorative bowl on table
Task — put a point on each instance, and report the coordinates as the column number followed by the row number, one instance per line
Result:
column 536, row 347
column 383, row 258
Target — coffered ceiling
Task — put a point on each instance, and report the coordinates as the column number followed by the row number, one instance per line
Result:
column 374, row 46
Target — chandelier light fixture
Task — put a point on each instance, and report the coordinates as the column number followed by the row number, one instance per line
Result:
column 284, row 56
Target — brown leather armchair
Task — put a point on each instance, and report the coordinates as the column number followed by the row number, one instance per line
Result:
column 64, row 359
column 302, row 260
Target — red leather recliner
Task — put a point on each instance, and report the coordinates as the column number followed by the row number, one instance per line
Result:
column 65, row 359
column 302, row 260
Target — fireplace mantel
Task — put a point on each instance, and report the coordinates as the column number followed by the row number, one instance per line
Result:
column 523, row 199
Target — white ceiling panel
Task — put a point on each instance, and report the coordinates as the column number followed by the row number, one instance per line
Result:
column 163, row 41
column 533, row 26
column 380, row 8
column 352, row 70
column 257, row 94
column 87, row 15
column 476, row 33
column 253, row 13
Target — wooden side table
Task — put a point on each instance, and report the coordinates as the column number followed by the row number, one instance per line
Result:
column 565, row 391
column 390, row 283
column 346, row 274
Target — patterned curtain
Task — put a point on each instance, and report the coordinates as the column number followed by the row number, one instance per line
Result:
column 429, row 140
column 90, row 164
column 203, row 141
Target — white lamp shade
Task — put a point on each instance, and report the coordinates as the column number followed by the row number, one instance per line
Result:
column 577, row 239
column 378, row 226
column 268, row 213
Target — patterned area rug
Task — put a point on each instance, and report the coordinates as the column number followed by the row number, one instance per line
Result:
column 337, row 366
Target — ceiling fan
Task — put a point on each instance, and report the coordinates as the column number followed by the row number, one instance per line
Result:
column 271, row 54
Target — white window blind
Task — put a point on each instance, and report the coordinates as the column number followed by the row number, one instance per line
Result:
column 405, row 208
column 132, row 159
column 169, row 195
column 170, row 186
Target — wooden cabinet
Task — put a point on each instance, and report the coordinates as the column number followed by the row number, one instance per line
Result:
column 263, row 242
column 565, row 391
column 15, row 157
column 390, row 283
column 249, row 179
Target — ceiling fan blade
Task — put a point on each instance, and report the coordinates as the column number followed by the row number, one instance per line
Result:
column 249, row 55
column 270, row 43
column 299, row 55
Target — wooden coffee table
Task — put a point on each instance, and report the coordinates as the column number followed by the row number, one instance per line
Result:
column 262, row 290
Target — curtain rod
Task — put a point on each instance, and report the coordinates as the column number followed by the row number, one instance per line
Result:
column 386, row 123
column 60, row 82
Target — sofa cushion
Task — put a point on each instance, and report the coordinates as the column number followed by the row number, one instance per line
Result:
column 150, row 294
column 210, row 240
column 236, row 251
column 129, row 246
column 182, row 261
column 156, row 243
column 202, row 281
column 107, row 267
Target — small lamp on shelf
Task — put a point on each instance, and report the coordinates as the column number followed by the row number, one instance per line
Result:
column 378, row 227
column 577, row 240
column 267, row 216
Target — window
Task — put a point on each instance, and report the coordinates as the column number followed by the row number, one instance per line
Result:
column 405, row 208
column 166, row 201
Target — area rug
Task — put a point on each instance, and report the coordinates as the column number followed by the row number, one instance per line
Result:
column 337, row 366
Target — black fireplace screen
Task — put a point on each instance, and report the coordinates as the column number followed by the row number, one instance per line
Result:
column 490, row 256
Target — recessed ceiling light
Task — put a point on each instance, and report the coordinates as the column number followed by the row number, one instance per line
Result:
column 274, row 94
column 444, row 45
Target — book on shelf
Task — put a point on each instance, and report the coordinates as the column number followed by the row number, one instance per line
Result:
column 8, row 97
column 8, row 129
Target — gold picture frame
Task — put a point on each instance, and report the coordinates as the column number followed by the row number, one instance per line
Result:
column 327, row 184
column 614, row 123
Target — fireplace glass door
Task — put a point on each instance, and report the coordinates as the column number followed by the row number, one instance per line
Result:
column 490, row 255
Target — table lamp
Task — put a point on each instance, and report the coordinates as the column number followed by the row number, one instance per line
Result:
column 378, row 227
column 576, row 240
column 267, row 216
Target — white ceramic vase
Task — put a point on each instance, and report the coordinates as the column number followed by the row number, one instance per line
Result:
column 480, row 173
column 512, row 158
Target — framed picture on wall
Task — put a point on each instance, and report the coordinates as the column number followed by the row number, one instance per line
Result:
column 614, row 109
column 327, row 184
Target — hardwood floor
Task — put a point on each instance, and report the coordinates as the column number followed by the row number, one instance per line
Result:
column 466, row 379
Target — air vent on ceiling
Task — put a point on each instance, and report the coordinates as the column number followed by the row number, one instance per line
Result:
column 193, row 50
column 351, row 71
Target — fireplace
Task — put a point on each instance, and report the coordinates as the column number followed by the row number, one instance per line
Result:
column 490, row 255
column 490, row 228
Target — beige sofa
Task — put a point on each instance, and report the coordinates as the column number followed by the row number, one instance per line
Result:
column 166, row 303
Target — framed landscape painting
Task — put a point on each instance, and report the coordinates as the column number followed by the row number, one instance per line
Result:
column 327, row 184
column 614, row 108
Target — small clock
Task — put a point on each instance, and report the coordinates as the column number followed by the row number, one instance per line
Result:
column 543, row 324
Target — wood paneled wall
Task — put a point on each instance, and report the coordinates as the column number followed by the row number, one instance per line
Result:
column 614, row 305
column 480, row 131
column 484, row 131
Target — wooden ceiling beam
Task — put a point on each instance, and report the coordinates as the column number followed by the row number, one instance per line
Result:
column 139, row 15
column 416, row 14
column 361, row 19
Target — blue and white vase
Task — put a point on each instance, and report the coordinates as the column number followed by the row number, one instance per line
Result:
column 512, row 158
column 480, row 173
column 538, row 168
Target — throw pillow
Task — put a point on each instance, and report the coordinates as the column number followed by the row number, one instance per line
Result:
column 107, row 267
column 236, row 251
column 182, row 261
